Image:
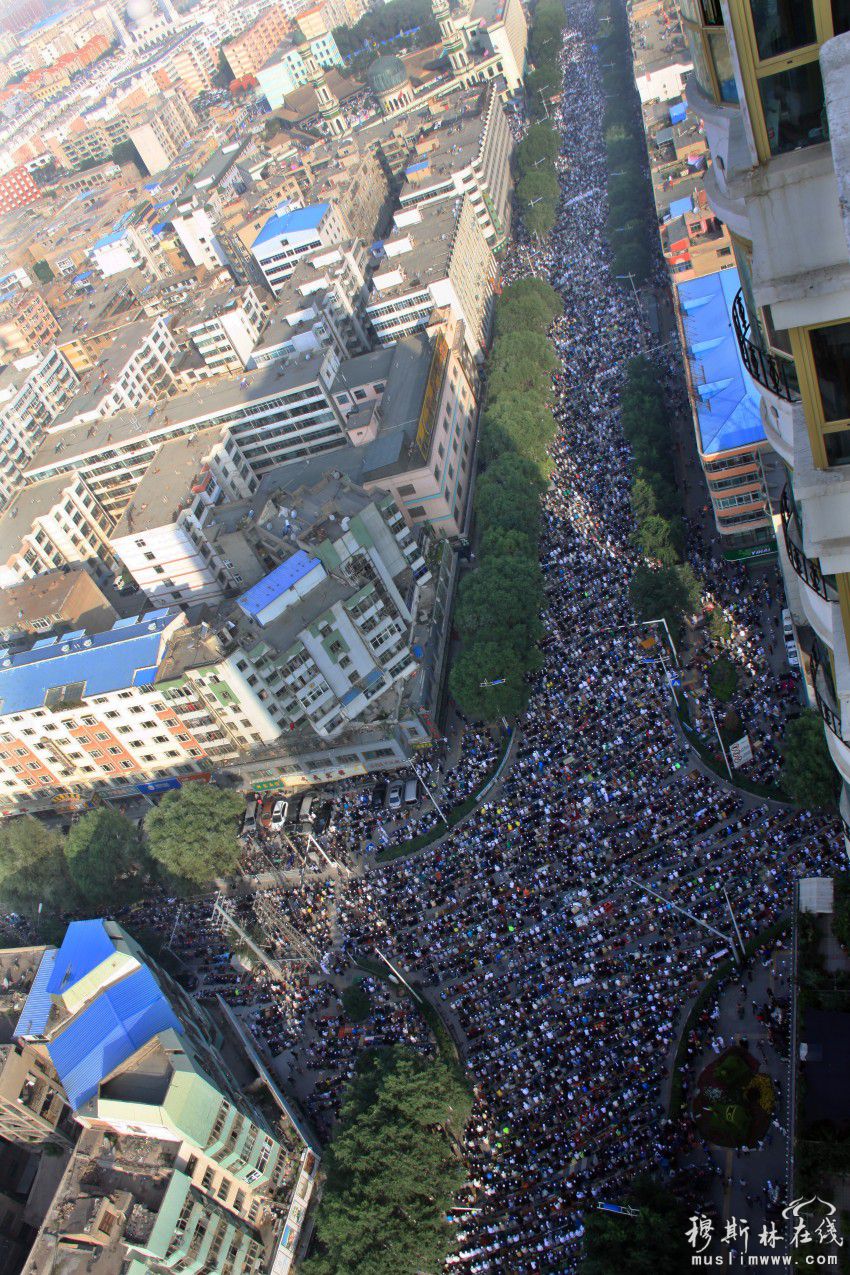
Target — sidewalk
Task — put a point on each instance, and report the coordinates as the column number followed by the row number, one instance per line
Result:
column 738, row 1190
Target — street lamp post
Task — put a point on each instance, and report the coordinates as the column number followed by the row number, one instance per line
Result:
column 434, row 802
column 631, row 280
column 668, row 903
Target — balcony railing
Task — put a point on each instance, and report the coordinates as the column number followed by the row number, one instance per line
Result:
column 806, row 568
column 823, row 697
column 770, row 372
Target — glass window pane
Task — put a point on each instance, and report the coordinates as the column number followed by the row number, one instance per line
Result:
column 702, row 72
column 831, row 352
column 781, row 25
column 838, row 447
column 840, row 16
column 794, row 111
column 722, row 59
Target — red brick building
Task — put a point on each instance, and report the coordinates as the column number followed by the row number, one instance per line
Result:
column 17, row 189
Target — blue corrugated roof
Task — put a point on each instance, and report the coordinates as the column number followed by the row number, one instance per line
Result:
column 681, row 206
column 418, row 166
column 122, row 1019
column 267, row 590
column 84, row 946
column 105, row 240
column 727, row 404
column 123, row 656
column 36, row 1010
column 288, row 223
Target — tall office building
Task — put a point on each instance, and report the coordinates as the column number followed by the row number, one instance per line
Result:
column 772, row 85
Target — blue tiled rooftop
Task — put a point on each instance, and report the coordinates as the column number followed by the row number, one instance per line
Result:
column 267, row 590
column 291, row 222
column 125, row 655
column 727, row 406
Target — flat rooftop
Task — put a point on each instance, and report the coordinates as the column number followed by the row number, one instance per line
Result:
column 219, row 394
column 166, row 483
column 99, row 380
column 427, row 260
column 71, row 595
column 29, row 503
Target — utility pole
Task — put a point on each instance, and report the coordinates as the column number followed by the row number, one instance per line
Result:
column 719, row 739
column 434, row 802
column 398, row 975
column 735, row 923
column 667, row 902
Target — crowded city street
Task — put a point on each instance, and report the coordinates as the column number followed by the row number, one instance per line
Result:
column 543, row 927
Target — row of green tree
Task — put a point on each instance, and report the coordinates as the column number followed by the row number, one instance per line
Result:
column 106, row 860
column 393, row 1171
column 384, row 23
column 537, row 189
column 545, row 80
column 664, row 585
column 625, row 147
column 498, row 609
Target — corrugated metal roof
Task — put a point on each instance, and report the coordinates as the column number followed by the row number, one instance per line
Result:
column 84, row 946
column 36, row 1010
column 282, row 224
column 259, row 596
column 122, row 1019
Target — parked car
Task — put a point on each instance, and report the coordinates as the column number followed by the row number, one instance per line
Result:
column 395, row 796
column 790, row 641
column 249, row 819
column 411, row 791
column 379, row 794
column 280, row 810
column 305, row 810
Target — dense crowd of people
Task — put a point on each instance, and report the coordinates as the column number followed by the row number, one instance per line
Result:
column 565, row 926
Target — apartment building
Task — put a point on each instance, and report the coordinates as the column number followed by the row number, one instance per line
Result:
column 198, row 1172
column 92, row 142
column 192, row 68
column 287, row 68
column 773, row 91
column 33, row 390
column 65, row 598
column 129, row 247
column 102, row 711
column 254, row 46
column 725, row 403
column 18, row 188
column 470, row 154
column 496, row 32
column 26, row 322
column 436, row 258
column 321, row 306
column 289, row 235
column 163, row 130
column 53, row 524
column 280, row 412
column 138, row 366
column 159, row 538
column 225, row 327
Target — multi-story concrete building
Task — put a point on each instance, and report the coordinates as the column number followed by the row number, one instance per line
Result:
column 292, row 234
column 26, row 322
column 225, row 327
column 199, row 1172
column 192, row 68
column 93, row 141
column 162, row 131
column 18, row 188
column 253, row 47
column 470, row 154
column 730, row 436
column 129, row 247
column 280, row 412
column 52, row 524
column 33, row 391
column 773, row 91
column 158, row 538
column 65, row 598
column 321, row 306
column 287, row 69
column 437, row 258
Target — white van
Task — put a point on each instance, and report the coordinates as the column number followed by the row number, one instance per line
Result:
column 305, row 810
column 249, row 819
column 411, row 792
column 790, row 640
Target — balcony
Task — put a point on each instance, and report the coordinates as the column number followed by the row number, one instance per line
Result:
column 772, row 374
column 827, row 703
column 806, row 568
